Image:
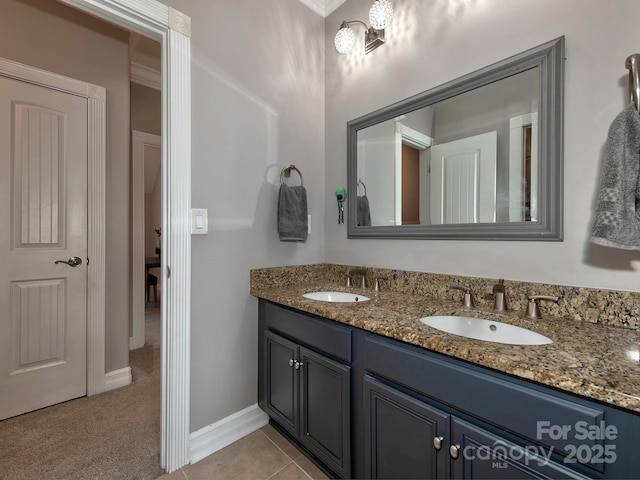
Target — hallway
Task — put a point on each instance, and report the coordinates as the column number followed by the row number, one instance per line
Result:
column 114, row 435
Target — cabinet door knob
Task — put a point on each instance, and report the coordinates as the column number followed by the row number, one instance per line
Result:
column 297, row 364
column 437, row 442
column 291, row 362
column 454, row 450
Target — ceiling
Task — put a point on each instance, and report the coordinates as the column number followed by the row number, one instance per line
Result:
column 323, row 7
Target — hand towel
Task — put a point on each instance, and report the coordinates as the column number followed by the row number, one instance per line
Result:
column 292, row 213
column 363, row 216
column 617, row 216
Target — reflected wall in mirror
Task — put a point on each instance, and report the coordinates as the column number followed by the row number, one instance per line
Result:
column 478, row 157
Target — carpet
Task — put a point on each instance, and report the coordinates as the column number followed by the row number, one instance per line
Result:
column 112, row 436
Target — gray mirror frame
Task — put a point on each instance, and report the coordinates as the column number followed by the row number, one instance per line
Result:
column 549, row 57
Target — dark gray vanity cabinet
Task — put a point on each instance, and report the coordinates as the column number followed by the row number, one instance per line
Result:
column 368, row 406
column 481, row 454
column 307, row 393
column 404, row 437
column 407, row 438
column 282, row 385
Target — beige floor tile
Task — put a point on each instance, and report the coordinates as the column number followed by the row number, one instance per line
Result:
column 177, row 475
column 309, row 468
column 290, row 472
column 253, row 457
column 287, row 447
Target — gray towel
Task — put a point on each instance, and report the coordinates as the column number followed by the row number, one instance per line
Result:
column 292, row 213
column 363, row 213
column 617, row 217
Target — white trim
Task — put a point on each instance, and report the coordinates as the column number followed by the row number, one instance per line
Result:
column 117, row 379
column 151, row 18
column 218, row 435
column 146, row 76
column 96, row 208
column 179, row 22
column 176, row 249
column 138, row 141
column 516, row 166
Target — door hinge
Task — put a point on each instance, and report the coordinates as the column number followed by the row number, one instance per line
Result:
column 168, row 271
column 87, row 261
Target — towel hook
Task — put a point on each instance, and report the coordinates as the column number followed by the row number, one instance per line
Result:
column 360, row 182
column 633, row 63
column 286, row 172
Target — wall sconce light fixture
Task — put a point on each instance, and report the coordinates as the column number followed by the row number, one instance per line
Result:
column 380, row 16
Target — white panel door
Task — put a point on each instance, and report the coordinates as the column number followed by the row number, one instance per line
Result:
column 463, row 180
column 43, row 219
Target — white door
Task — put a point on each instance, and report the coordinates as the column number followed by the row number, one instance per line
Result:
column 463, row 180
column 43, row 219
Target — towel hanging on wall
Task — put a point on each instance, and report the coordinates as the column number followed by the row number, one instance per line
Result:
column 363, row 213
column 292, row 208
column 617, row 216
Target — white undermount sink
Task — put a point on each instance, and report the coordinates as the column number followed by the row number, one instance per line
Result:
column 487, row 330
column 336, row 297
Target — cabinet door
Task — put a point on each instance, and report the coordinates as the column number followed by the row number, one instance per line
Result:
column 281, row 386
column 484, row 455
column 325, row 410
column 404, row 437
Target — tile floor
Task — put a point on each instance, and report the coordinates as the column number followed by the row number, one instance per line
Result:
column 261, row 455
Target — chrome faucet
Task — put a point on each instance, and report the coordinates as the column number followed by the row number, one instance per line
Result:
column 498, row 290
column 467, row 300
column 377, row 284
column 533, row 307
column 357, row 271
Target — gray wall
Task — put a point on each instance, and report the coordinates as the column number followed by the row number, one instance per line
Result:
column 53, row 37
column 146, row 109
column 258, row 106
column 431, row 42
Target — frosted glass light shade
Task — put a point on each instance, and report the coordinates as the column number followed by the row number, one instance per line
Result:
column 345, row 40
column 381, row 14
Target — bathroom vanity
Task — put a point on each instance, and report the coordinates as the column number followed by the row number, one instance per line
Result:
column 367, row 392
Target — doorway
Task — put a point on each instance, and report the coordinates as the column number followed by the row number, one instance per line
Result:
column 146, row 196
column 172, row 29
column 410, row 185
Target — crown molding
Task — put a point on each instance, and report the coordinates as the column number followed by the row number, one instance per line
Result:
column 323, row 7
column 146, row 76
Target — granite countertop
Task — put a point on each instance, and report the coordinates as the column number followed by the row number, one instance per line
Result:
column 595, row 361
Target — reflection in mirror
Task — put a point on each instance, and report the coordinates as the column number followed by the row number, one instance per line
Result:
column 479, row 157
column 466, row 159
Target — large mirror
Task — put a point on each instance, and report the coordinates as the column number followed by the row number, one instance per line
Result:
column 479, row 157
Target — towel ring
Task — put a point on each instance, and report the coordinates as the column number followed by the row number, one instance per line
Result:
column 286, row 172
column 633, row 64
column 360, row 182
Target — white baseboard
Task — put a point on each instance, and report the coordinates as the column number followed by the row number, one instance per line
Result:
column 216, row 436
column 117, row 379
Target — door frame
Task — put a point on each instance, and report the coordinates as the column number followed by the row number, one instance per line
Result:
column 516, row 165
column 419, row 141
column 138, row 234
column 173, row 29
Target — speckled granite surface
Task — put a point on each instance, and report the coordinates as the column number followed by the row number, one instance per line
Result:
column 596, row 349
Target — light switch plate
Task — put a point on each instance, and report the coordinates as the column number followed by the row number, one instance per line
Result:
column 199, row 221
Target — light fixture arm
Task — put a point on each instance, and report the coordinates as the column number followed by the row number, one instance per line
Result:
column 345, row 24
